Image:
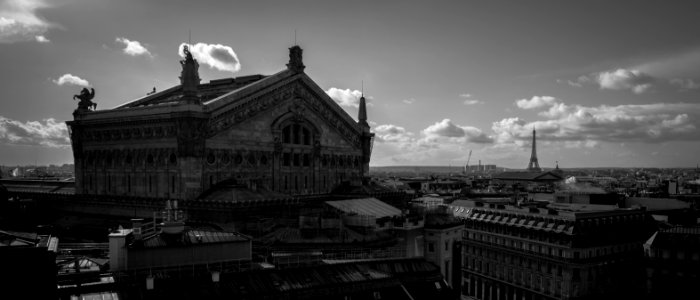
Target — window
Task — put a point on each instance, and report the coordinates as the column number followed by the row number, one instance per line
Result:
column 211, row 159
column 286, row 135
column 173, row 159
column 307, row 159
column 225, row 159
column 295, row 134
column 447, row 245
column 431, row 247
column 296, row 159
column 286, row 159
column 447, row 271
column 307, row 138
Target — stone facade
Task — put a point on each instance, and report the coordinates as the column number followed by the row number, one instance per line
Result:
column 280, row 133
column 555, row 253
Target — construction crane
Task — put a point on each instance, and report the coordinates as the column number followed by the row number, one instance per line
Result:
column 466, row 168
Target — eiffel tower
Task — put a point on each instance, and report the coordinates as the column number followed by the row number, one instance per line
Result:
column 534, row 166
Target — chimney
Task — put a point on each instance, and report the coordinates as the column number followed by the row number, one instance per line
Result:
column 136, row 227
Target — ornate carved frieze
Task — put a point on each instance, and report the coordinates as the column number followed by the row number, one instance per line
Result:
column 190, row 136
column 300, row 99
column 127, row 133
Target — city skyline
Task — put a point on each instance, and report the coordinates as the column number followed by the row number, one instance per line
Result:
column 605, row 84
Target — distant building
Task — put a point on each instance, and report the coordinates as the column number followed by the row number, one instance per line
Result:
column 587, row 197
column 28, row 263
column 673, row 263
column 373, row 214
column 564, row 251
column 169, row 247
column 443, row 248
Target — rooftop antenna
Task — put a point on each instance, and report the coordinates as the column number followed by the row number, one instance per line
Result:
column 362, row 88
column 189, row 38
column 295, row 37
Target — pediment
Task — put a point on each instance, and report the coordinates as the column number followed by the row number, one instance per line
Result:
column 298, row 95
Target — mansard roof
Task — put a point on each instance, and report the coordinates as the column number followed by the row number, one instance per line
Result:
column 207, row 91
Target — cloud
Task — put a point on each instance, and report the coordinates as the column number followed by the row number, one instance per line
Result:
column 216, row 56
column 536, row 102
column 347, row 97
column 674, row 65
column 579, row 82
column 624, row 79
column 19, row 21
column 42, row 39
column 447, row 129
column 408, row 101
column 650, row 123
column 472, row 102
column 70, row 79
column 469, row 100
column 442, row 142
column 685, row 84
column 392, row 133
column 46, row 133
column 133, row 48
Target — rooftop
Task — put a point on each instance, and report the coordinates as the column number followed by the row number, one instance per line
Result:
column 187, row 238
column 208, row 91
column 366, row 206
column 528, row 176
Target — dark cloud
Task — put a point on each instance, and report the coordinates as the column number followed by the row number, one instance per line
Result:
column 48, row 133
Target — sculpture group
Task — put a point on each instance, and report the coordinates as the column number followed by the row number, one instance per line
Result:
column 86, row 97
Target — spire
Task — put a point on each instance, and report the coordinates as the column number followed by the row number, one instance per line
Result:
column 295, row 62
column 189, row 78
column 362, row 113
column 534, row 165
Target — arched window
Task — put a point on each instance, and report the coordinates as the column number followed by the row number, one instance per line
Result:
column 306, row 136
column 211, row 159
column 297, row 134
column 225, row 159
column 286, row 136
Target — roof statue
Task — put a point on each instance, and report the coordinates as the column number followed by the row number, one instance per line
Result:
column 189, row 78
column 295, row 62
column 86, row 97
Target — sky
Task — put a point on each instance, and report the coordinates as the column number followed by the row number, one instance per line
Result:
column 605, row 83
